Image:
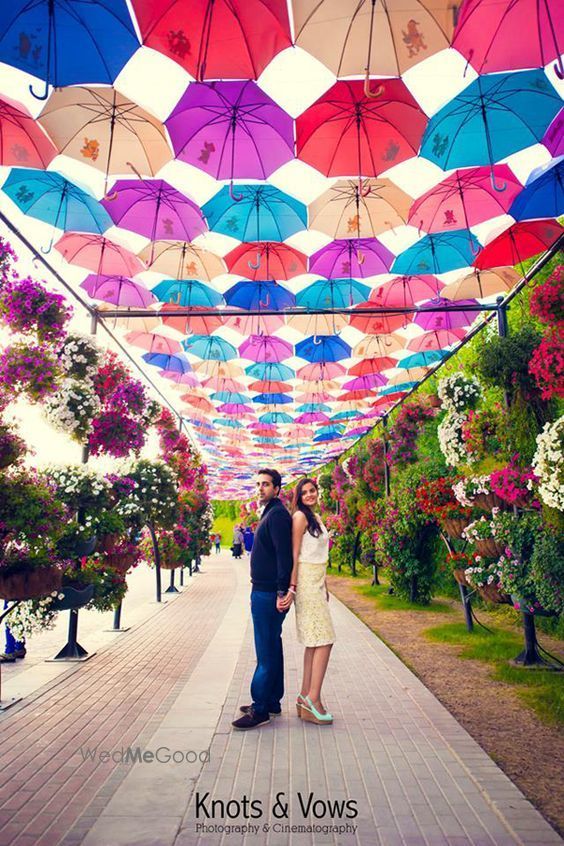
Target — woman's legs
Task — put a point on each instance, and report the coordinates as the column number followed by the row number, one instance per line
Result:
column 306, row 679
column 319, row 662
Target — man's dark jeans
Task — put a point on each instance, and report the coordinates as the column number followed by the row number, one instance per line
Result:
column 267, row 686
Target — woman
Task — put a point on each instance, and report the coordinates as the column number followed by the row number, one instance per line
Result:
column 310, row 544
column 237, row 542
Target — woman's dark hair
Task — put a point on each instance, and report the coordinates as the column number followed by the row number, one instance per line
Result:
column 313, row 526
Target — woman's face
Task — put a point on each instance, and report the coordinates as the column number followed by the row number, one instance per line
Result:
column 309, row 495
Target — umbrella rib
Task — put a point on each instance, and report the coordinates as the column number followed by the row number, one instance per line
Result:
column 74, row 13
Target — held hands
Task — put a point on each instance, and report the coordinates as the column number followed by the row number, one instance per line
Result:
column 283, row 603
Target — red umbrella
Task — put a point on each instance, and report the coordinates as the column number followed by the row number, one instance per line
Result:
column 405, row 291
column 357, row 395
column 190, row 321
column 346, row 133
column 519, row 242
column 378, row 324
column 216, row 39
column 266, row 260
column 373, row 365
column 269, row 387
column 99, row 254
column 437, row 340
column 152, row 342
column 23, row 142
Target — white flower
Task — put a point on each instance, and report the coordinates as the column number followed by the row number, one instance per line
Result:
column 548, row 464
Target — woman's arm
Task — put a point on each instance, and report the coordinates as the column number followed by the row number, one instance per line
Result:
column 299, row 524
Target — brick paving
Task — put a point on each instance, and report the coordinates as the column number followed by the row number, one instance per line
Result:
column 417, row 777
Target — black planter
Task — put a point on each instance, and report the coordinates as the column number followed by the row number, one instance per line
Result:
column 73, row 598
column 538, row 612
column 85, row 547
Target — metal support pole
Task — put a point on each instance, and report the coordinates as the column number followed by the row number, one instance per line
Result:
column 172, row 587
column 182, row 576
column 502, row 326
column 157, row 556
column 386, row 464
column 466, row 604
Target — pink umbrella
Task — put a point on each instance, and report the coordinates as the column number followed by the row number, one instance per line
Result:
column 446, row 319
column 152, row 342
column 254, row 324
column 23, row 143
column 153, row 208
column 223, row 383
column 464, row 199
column 118, row 290
column 190, row 322
column 351, row 258
column 189, row 379
column 367, row 382
column 321, row 370
column 405, row 291
column 360, row 430
column 436, row 340
column 313, row 396
column 312, row 417
column 235, row 409
column 98, row 254
column 265, row 348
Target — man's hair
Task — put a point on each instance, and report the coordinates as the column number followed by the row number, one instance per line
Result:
column 274, row 475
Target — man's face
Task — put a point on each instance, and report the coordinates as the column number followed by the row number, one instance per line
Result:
column 265, row 489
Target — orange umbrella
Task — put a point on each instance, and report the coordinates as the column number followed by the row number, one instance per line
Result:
column 181, row 260
column 348, row 210
column 190, row 322
column 482, row 284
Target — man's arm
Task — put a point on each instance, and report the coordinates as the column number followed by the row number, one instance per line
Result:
column 281, row 534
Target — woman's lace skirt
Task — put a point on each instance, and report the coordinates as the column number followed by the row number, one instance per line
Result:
column 313, row 620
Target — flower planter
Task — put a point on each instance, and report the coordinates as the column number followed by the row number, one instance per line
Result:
column 520, row 605
column 167, row 564
column 491, row 593
column 435, row 401
column 107, row 542
column 460, row 576
column 488, row 501
column 121, row 561
column 73, row 598
column 85, row 547
column 454, row 526
column 489, row 548
column 30, row 584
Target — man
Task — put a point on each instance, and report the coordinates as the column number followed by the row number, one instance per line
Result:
column 217, row 544
column 248, row 539
column 271, row 565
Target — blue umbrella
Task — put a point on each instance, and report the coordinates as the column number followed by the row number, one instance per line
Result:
column 230, row 396
column 496, row 115
column 272, row 399
column 421, row 359
column 330, row 436
column 174, row 363
column 255, row 213
column 257, row 295
column 333, row 293
column 50, row 197
column 210, row 348
column 261, row 440
column 276, row 417
column 270, row 371
column 404, row 386
column 543, row 195
column 67, row 42
column 187, row 293
column 227, row 421
column 346, row 415
column 325, row 430
column 310, row 407
column 438, row 253
column 323, row 348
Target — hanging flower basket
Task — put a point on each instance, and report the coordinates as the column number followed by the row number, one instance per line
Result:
column 106, row 543
column 30, row 584
column 121, row 561
column 492, row 593
column 73, row 598
column 460, row 577
column 488, row 501
column 536, row 610
column 85, row 547
column 454, row 526
column 488, row 547
column 435, row 401
column 169, row 563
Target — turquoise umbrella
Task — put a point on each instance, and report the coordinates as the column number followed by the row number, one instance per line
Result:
column 210, row 348
column 187, row 293
column 255, row 213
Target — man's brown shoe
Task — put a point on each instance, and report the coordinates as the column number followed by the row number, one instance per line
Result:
column 250, row 720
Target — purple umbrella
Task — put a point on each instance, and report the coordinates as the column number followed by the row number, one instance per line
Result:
column 153, row 208
column 554, row 136
column 265, row 348
column 351, row 258
column 433, row 320
column 118, row 290
column 312, row 417
column 231, row 130
column 235, row 408
column 365, row 383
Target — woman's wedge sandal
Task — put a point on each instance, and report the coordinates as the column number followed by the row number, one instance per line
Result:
column 311, row 715
column 300, row 703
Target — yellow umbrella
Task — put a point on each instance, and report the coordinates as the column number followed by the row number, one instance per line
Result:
column 181, row 260
column 218, row 368
column 481, row 284
column 375, row 346
column 348, row 210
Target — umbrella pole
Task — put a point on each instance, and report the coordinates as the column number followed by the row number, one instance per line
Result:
column 113, row 195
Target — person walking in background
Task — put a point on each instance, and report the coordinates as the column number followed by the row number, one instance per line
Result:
column 237, row 542
column 14, row 648
column 248, row 539
column 217, row 543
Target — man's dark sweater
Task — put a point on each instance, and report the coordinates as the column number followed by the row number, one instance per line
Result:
column 271, row 556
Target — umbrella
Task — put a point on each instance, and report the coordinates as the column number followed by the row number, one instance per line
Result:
column 265, row 348
column 315, row 396
column 332, row 293
column 464, row 199
column 153, row 343
column 321, row 370
column 367, row 382
column 210, row 348
column 495, row 116
column 377, row 323
column 174, row 363
column 270, row 371
column 345, row 36
column 554, row 136
column 519, row 242
column 50, row 197
column 180, row 379
column 182, row 261
column 187, row 293
column 369, row 366
column 506, row 35
column 223, row 383
column 255, row 296
column 266, row 260
column 146, row 323
column 153, row 208
column 276, row 417
column 350, row 210
column 190, row 322
column 438, row 253
column 346, row 133
column 361, row 257
column 272, row 399
column 227, row 39
column 436, row 340
column 432, row 319
column 64, row 43
column 318, row 324
column 346, row 415
column 218, row 368
column 230, row 396
column 317, row 385
column 543, row 195
column 256, row 213
column 269, row 386
column 405, row 291
column 421, row 359
column 98, row 254
column 379, row 345
column 118, row 290
column 235, row 408
column 399, row 390
column 231, row 130
column 359, row 394
column 482, row 284
column 231, row 424
column 103, row 128
column 323, row 348
column 22, row 141
column 254, row 324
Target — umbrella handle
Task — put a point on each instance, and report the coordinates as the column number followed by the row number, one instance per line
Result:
column 254, row 266
column 373, row 95
column 316, row 341
column 111, row 197
column 474, row 248
column 364, row 192
column 235, row 197
column 266, row 303
column 499, row 188
column 49, row 248
column 40, row 96
column 360, row 257
column 559, row 68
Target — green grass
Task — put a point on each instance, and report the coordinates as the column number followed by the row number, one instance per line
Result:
column 224, row 525
column 542, row 690
column 386, row 602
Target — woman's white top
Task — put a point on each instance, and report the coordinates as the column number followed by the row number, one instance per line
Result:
column 315, row 550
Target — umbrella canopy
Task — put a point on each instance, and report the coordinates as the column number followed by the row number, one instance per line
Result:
column 438, row 253
column 265, row 348
column 255, row 213
column 323, row 348
column 321, row 370
column 434, row 320
column 231, row 130
column 154, row 343
column 190, row 322
column 317, row 324
column 153, row 208
column 254, row 324
column 332, row 293
column 519, row 242
column 266, row 260
column 210, row 348
column 362, row 257
column 368, row 366
column 259, row 295
column 482, row 284
column 182, row 260
column 174, row 363
column 543, row 195
column 37, row 38
column 99, row 254
column 421, row 359
column 405, row 291
column 436, row 339
column 227, row 39
column 352, row 210
column 118, row 290
column 270, row 371
column 22, row 141
column 346, row 133
column 187, row 293
column 376, row 346
column 50, row 197
column 554, row 137
column 378, row 324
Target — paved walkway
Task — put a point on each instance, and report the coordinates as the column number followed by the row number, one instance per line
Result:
column 173, row 683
